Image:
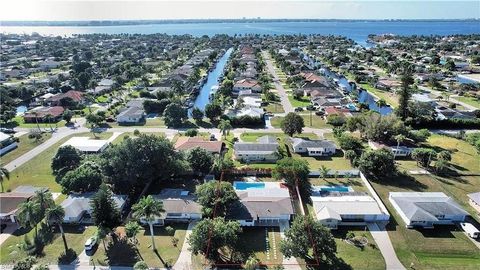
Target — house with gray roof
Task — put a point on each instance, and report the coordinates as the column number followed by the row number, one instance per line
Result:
column 426, row 209
column 266, row 206
column 474, row 200
column 180, row 206
column 78, row 209
column 264, row 150
column 347, row 209
column 313, row 148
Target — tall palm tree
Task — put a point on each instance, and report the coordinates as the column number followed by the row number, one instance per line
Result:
column 147, row 208
column 28, row 214
column 55, row 214
column 132, row 228
column 4, row 174
column 399, row 138
column 44, row 199
column 324, row 171
column 225, row 127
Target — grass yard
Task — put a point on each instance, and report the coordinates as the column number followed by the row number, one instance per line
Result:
column 317, row 121
column 123, row 253
column 20, row 123
column 303, row 102
column 274, row 107
column 130, row 134
column 37, row 171
column 24, row 145
column 469, row 100
column 253, row 136
column 443, row 247
column 76, row 236
column 149, row 122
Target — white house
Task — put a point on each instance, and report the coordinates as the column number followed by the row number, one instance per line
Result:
column 179, row 205
column 7, row 143
column 264, row 150
column 426, row 209
column 87, row 145
column 78, row 209
column 313, row 147
column 348, row 209
column 131, row 115
column 268, row 204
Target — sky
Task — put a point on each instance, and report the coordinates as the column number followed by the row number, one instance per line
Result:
column 68, row 10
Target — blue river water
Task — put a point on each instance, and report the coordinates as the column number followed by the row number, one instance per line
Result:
column 203, row 98
column 356, row 30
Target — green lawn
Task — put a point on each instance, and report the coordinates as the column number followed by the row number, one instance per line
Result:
column 274, row 107
column 469, row 100
column 253, row 240
column 122, row 254
column 24, row 145
column 253, row 136
column 37, row 171
column 149, row 122
column 21, row 123
column 76, row 236
column 443, row 247
column 303, row 102
column 317, row 121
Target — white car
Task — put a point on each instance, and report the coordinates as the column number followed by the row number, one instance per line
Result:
column 471, row 230
column 90, row 243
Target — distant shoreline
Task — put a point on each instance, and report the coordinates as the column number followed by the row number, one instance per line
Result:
column 192, row 21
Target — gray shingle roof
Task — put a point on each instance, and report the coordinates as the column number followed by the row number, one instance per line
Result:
column 265, row 144
column 299, row 142
column 179, row 201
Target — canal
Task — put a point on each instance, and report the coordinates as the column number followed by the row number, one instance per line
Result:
column 363, row 96
column 203, row 97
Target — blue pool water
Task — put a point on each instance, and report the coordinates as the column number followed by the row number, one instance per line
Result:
column 335, row 188
column 351, row 107
column 247, row 185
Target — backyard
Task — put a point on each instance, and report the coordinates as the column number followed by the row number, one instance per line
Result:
column 317, row 121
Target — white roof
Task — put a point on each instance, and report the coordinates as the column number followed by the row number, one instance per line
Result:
column 3, row 136
column 333, row 207
column 86, row 144
column 76, row 205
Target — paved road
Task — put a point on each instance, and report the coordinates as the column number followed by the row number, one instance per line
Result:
column 385, row 245
column 184, row 261
column 287, row 107
column 451, row 98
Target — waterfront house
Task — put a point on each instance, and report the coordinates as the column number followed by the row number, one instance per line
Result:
column 7, row 143
column 334, row 209
column 246, row 84
column 179, row 205
column 426, row 209
column 78, row 209
column 264, row 150
column 261, row 204
column 313, row 148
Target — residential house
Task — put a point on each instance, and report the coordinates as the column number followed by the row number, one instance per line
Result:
column 187, row 143
column 398, row 151
column 246, row 84
column 245, row 111
column 87, row 145
column 179, row 205
column 264, row 150
column 266, row 205
column 75, row 96
column 7, row 143
column 313, row 148
column 44, row 114
column 78, row 208
column 474, row 200
column 387, row 84
column 10, row 201
column 347, row 209
column 133, row 113
column 426, row 209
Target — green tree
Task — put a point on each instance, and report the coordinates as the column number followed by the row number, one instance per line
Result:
column 132, row 228
column 292, row 123
column 222, row 164
column 28, row 215
column 444, row 155
column 224, row 127
column 324, row 171
column 140, row 265
column 67, row 115
column 87, row 177
column 216, row 195
column 297, row 243
column 56, row 214
column 197, row 115
column 44, row 199
column 295, row 172
column 348, row 142
column 148, row 209
column 377, row 164
column 213, row 111
column 423, row 156
column 399, row 138
column 200, row 160
column 252, row 263
column 66, row 158
column 174, row 115
column 25, row 263
column 4, row 175
column 105, row 212
column 191, row 132
column 209, row 235
column 404, row 94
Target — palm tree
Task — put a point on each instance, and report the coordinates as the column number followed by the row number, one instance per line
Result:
column 381, row 103
column 4, row 174
column 36, row 119
column 55, row 214
column 28, row 214
column 324, row 171
column 44, row 199
column 399, row 138
column 224, row 127
column 131, row 230
column 148, row 209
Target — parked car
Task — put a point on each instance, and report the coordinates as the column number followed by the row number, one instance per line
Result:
column 471, row 230
column 311, row 108
column 299, row 109
column 7, row 130
column 91, row 242
column 320, row 113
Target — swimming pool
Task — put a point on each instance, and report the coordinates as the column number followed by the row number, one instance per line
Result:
column 351, row 107
column 247, row 185
column 334, row 188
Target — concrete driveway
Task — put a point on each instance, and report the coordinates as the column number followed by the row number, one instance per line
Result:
column 385, row 245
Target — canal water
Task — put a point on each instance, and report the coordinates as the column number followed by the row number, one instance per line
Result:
column 363, row 96
column 203, row 97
